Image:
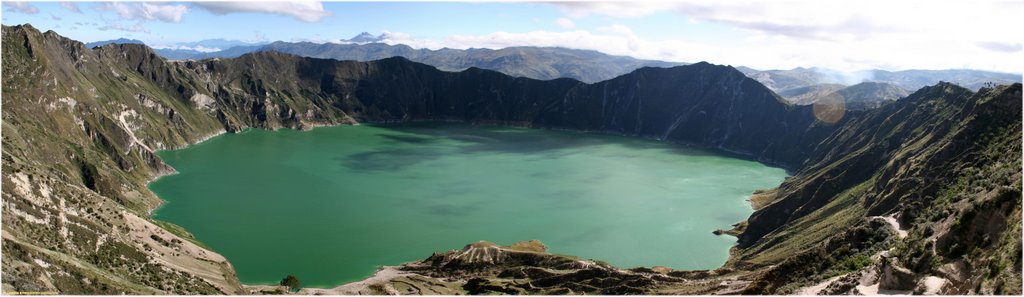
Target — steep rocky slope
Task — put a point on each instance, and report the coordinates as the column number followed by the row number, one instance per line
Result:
column 80, row 126
column 943, row 163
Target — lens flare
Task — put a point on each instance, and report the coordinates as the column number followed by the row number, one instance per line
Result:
column 830, row 108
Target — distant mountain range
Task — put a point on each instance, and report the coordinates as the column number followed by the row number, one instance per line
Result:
column 867, row 88
column 209, row 48
column 532, row 62
column 799, row 85
column 117, row 41
column 192, row 54
column 809, row 94
column 911, row 80
column 865, row 95
column 217, row 44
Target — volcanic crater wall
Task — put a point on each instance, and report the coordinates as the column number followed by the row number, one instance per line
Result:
column 79, row 173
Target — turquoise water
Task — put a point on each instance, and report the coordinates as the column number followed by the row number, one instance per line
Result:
column 331, row 204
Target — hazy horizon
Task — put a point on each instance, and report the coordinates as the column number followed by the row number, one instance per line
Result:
column 848, row 37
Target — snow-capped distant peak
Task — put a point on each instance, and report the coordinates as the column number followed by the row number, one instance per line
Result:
column 366, row 37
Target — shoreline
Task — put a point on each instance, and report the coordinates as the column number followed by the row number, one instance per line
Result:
column 162, row 173
column 382, row 275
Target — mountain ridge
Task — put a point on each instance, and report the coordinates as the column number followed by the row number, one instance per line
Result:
column 591, row 66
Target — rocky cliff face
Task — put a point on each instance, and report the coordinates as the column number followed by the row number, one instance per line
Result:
column 76, row 206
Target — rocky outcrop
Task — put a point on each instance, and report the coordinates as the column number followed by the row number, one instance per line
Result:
column 896, row 278
column 525, row 268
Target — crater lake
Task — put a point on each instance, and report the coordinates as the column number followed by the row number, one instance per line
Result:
column 332, row 204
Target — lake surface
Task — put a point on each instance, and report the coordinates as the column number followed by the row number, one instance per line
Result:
column 331, row 204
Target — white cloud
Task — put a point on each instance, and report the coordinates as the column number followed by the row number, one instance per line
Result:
column 20, row 6
column 823, row 19
column 617, row 29
column 319, row 40
column 144, row 11
column 565, row 23
column 406, row 39
column 260, row 36
column 304, row 11
column 1009, row 47
column 614, row 9
column 119, row 27
column 70, row 6
column 842, row 34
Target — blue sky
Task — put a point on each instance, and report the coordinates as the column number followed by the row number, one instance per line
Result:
column 346, row 19
column 767, row 35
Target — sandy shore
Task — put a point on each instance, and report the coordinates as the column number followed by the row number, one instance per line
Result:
column 382, row 276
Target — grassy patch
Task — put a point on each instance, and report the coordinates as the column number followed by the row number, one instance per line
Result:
column 180, row 232
column 835, row 217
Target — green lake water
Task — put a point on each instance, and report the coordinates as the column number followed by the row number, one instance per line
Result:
column 332, row 204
